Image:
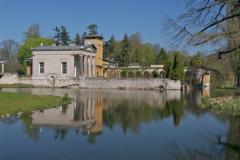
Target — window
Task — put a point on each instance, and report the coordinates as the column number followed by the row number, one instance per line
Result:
column 41, row 67
column 64, row 67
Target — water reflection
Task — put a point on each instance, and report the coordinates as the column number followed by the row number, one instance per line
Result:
column 91, row 109
column 97, row 113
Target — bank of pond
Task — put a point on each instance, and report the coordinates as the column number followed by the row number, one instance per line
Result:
column 230, row 104
column 17, row 103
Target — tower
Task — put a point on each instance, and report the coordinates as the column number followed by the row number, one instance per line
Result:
column 97, row 41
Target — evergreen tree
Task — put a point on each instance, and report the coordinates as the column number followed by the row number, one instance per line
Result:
column 109, row 48
column 125, row 51
column 65, row 38
column 77, row 39
column 177, row 72
column 161, row 57
column 57, row 36
column 196, row 60
column 83, row 37
column 92, row 29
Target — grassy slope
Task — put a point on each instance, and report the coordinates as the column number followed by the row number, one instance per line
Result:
column 12, row 103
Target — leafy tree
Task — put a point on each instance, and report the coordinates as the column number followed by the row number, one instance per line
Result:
column 77, row 39
column 92, row 29
column 196, row 60
column 65, row 38
column 25, row 50
column 177, row 72
column 33, row 31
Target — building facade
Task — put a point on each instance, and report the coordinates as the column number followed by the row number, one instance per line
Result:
column 63, row 62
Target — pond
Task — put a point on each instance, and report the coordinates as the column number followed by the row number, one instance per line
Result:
column 121, row 124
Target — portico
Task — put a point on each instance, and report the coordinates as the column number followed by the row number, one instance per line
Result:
column 84, row 65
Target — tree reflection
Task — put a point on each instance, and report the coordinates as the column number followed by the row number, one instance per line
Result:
column 31, row 130
column 225, row 147
column 130, row 115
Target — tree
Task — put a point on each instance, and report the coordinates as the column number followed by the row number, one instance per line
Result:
column 207, row 22
column 77, row 39
column 177, row 72
column 61, row 36
column 161, row 57
column 123, row 57
column 25, row 50
column 8, row 52
column 8, row 49
column 33, row 31
column 83, row 37
column 65, row 38
column 57, row 36
column 92, row 29
column 196, row 60
column 109, row 48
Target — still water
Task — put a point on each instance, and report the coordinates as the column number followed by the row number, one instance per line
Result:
column 121, row 125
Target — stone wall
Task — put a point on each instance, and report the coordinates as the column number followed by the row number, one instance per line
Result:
column 130, row 84
column 95, row 83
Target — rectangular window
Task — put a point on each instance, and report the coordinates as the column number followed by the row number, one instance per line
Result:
column 41, row 67
column 64, row 67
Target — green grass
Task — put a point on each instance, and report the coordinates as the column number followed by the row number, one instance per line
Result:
column 13, row 103
column 219, row 104
column 16, row 85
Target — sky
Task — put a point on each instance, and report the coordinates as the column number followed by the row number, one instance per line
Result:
column 113, row 17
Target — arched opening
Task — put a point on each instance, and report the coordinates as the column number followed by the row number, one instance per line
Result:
column 138, row 74
column 131, row 74
column 162, row 74
column 52, row 80
column 105, row 73
column 154, row 74
column 206, row 79
column 146, row 74
column 123, row 74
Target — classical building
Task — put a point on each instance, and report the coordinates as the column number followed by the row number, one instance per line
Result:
column 67, row 62
column 75, row 62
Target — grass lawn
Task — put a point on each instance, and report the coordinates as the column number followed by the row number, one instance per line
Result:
column 225, row 104
column 16, row 85
column 13, row 103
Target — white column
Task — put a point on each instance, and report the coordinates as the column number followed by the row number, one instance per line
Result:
column 90, row 66
column 94, row 66
column 2, row 68
column 81, row 65
column 85, row 66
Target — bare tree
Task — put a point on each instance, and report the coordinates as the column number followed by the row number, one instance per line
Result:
column 8, row 49
column 8, row 52
column 33, row 31
column 208, row 22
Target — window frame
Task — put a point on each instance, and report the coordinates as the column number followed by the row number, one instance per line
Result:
column 64, row 70
column 41, row 68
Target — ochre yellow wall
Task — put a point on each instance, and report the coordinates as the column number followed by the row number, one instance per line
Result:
column 98, row 116
column 98, row 42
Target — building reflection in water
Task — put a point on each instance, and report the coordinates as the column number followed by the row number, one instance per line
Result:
column 86, row 112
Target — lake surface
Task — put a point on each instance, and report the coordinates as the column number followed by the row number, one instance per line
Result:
column 121, row 125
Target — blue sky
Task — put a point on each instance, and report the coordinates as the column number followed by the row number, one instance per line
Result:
column 112, row 16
